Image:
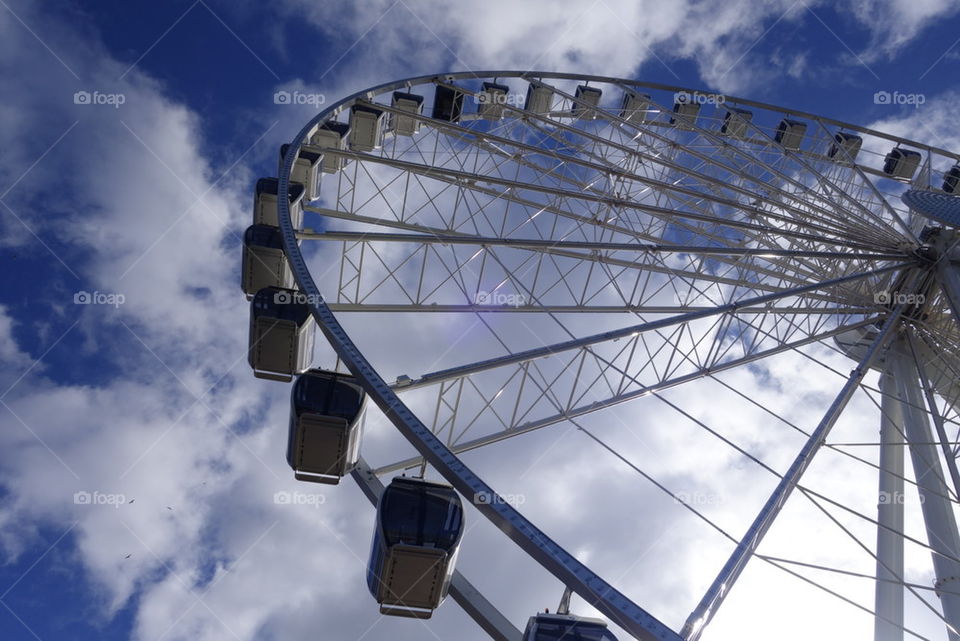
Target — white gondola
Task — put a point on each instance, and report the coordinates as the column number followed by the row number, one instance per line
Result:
column 265, row 203
column 901, row 163
column 735, row 123
column 447, row 104
column 491, row 100
column 845, row 147
column 589, row 100
column 326, row 426
column 566, row 627
column 332, row 135
column 264, row 263
column 539, row 99
column 409, row 103
column 417, row 536
column 306, row 169
column 281, row 334
column 366, row 127
column 685, row 110
column 951, row 180
column 790, row 133
column 635, row 108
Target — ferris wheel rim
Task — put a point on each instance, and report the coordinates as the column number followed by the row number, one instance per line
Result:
column 610, row 601
column 360, row 367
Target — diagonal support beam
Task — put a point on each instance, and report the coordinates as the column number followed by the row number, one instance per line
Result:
column 721, row 586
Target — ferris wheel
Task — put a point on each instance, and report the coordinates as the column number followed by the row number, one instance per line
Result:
column 610, row 240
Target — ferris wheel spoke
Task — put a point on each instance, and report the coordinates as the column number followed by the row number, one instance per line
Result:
column 822, row 190
column 712, row 189
column 382, row 222
column 715, row 142
column 422, row 257
column 536, row 207
column 518, row 391
column 532, row 243
column 455, row 177
column 767, row 271
column 636, row 330
column 517, row 428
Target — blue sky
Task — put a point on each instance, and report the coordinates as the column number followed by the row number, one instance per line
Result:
column 147, row 200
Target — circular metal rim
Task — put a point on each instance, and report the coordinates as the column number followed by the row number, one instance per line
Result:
column 536, row 543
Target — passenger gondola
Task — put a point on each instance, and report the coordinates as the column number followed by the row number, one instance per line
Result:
column 326, row 425
column 686, row 108
column 635, row 108
column 265, row 203
column 366, row 127
column 566, row 627
column 418, row 531
column 409, row 103
column 306, row 169
column 264, row 264
column 790, row 133
column 588, row 98
column 447, row 104
column 845, row 147
column 491, row 100
column 901, row 163
column 539, row 99
column 332, row 135
column 281, row 334
column 735, row 122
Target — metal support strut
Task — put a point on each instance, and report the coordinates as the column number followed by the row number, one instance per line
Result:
column 938, row 516
column 888, row 625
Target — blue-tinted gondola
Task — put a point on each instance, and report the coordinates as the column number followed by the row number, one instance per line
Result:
column 566, row 627
column 845, row 147
column 306, row 169
column 901, row 163
column 415, row 543
column 790, row 133
column 447, row 104
column 264, row 264
column 326, row 425
column 265, row 202
column 281, row 334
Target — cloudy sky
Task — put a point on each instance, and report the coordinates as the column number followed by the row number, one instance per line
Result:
column 133, row 133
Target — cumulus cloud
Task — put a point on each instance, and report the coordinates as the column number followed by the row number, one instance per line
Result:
column 187, row 447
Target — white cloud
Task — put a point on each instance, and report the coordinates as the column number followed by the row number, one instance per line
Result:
column 129, row 174
column 895, row 24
